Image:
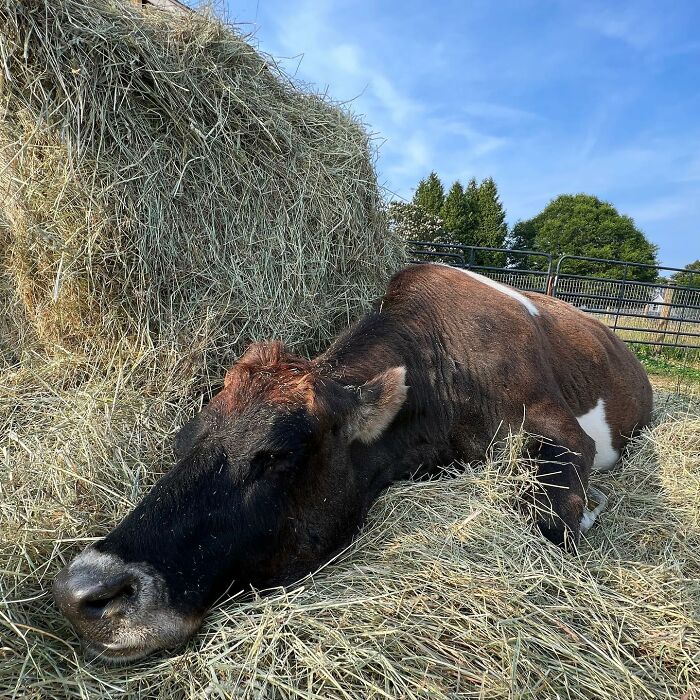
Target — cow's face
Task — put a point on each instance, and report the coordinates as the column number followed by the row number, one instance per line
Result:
column 263, row 492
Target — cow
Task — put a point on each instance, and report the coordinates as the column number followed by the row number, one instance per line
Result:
column 277, row 472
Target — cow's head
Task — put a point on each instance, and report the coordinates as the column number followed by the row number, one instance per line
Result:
column 263, row 492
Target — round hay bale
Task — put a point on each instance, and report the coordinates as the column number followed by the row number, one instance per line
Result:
column 164, row 184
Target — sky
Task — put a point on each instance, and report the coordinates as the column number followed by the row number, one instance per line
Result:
column 546, row 97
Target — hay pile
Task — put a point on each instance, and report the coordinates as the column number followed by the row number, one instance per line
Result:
column 164, row 185
column 449, row 593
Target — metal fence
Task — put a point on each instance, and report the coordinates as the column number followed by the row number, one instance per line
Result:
column 655, row 312
column 525, row 269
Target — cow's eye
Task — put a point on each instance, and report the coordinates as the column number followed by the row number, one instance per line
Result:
column 265, row 460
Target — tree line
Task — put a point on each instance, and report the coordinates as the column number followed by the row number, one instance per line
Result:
column 571, row 224
column 471, row 216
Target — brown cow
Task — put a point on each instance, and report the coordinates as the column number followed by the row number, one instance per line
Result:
column 277, row 472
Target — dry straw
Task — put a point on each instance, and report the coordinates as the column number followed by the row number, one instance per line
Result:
column 168, row 194
column 162, row 183
column 448, row 592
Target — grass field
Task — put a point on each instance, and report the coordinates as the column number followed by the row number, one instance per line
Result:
column 683, row 371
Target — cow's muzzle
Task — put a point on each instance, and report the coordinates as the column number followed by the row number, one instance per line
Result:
column 121, row 611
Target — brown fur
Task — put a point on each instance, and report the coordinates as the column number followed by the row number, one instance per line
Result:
column 477, row 364
column 268, row 372
column 482, row 363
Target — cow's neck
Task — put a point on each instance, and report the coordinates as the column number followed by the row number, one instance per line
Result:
column 365, row 350
column 415, row 438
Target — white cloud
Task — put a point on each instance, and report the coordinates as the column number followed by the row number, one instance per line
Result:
column 398, row 106
column 347, row 58
column 631, row 25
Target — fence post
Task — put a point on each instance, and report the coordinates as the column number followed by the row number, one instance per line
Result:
column 620, row 296
column 550, row 284
column 555, row 278
column 664, row 317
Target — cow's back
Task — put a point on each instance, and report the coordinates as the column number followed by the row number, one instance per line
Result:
column 515, row 348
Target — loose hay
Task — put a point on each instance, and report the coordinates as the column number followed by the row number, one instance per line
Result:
column 163, row 184
column 448, row 593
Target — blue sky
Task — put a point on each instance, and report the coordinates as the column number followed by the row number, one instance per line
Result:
column 546, row 97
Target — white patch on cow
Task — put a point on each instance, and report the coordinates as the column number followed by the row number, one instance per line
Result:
column 596, row 427
column 590, row 516
column 512, row 293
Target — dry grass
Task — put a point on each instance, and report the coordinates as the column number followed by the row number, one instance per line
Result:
column 448, row 593
column 654, row 330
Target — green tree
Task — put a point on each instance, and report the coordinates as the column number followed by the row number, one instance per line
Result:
column 690, row 277
column 456, row 216
column 471, row 197
column 521, row 237
column 491, row 229
column 430, row 194
column 582, row 224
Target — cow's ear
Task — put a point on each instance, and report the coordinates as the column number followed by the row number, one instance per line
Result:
column 189, row 435
column 380, row 399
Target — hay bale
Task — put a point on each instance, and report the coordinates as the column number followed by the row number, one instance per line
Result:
column 164, row 184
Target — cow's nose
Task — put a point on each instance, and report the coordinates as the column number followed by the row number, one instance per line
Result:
column 85, row 594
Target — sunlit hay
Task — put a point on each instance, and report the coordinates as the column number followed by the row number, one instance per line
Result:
column 165, row 185
column 448, row 592
column 678, row 441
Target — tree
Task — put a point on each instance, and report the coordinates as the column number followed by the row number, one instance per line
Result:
column 412, row 223
column 455, row 214
column 690, row 277
column 491, row 229
column 521, row 237
column 430, row 194
column 582, row 224
column 471, row 198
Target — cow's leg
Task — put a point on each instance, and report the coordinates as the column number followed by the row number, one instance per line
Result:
column 564, row 456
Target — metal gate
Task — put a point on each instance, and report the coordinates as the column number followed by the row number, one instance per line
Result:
column 648, row 313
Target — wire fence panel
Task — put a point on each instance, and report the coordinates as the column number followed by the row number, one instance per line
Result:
column 649, row 311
